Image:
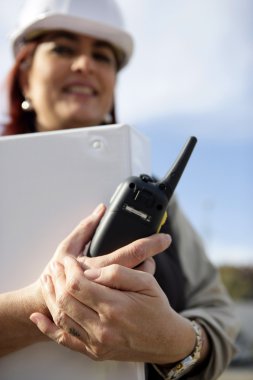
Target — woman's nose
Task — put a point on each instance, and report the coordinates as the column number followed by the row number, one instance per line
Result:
column 83, row 63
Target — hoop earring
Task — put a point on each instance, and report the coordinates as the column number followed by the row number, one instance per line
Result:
column 108, row 118
column 26, row 105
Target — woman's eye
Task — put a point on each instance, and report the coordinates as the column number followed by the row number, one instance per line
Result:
column 103, row 57
column 63, row 50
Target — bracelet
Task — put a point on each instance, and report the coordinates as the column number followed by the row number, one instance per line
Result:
column 184, row 366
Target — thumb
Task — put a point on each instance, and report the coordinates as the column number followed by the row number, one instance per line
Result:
column 134, row 253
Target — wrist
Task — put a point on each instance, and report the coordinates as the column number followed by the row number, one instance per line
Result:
column 192, row 363
column 31, row 300
column 34, row 300
column 27, row 301
column 189, row 362
column 17, row 331
column 180, row 338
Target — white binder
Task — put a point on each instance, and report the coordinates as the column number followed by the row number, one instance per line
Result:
column 49, row 182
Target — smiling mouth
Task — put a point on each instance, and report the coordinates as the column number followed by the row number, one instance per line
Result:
column 81, row 90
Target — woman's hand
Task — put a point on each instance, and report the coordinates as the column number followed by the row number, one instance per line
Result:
column 112, row 313
column 74, row 245
column 138, row 253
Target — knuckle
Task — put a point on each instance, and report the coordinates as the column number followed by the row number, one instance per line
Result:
column 148, row 280
column 104, row 345
column 138, row 251
column 62, row 339
column 113, row 271
column 73, row 285
column 113, row 313
column 104, row 339
column 60, row 318
column 61, row 299
column 100, row 352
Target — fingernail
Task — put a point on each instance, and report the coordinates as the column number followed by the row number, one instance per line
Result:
column 34, row 319
column 98, row 209
column 92, row 274
column 167, row 238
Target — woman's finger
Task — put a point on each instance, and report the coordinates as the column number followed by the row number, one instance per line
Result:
column 132, row 254
column 70, row 339
column 88, row 293
column 122, row 278
column 66, row 310
column 147, row 266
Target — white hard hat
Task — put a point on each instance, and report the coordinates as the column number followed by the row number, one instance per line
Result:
column 97, row 18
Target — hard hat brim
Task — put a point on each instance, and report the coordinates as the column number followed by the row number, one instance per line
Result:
column 118, row 38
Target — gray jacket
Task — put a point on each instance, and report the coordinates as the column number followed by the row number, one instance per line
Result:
column 205, row 296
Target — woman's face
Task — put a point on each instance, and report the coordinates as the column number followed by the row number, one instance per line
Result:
column 70, row 81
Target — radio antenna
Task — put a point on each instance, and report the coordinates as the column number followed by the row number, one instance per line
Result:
column 170, row 181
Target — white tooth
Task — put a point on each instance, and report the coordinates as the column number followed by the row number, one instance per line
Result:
column 81, row 89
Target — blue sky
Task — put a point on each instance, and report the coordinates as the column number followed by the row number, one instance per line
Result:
column 192, row 73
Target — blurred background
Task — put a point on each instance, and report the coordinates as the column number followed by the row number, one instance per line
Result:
column 192, row 74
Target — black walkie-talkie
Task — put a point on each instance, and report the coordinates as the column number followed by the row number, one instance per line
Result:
column 138, row 207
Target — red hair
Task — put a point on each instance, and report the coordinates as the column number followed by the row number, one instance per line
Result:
column 20, row 121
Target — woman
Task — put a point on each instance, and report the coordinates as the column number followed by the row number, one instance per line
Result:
column 180, row 319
